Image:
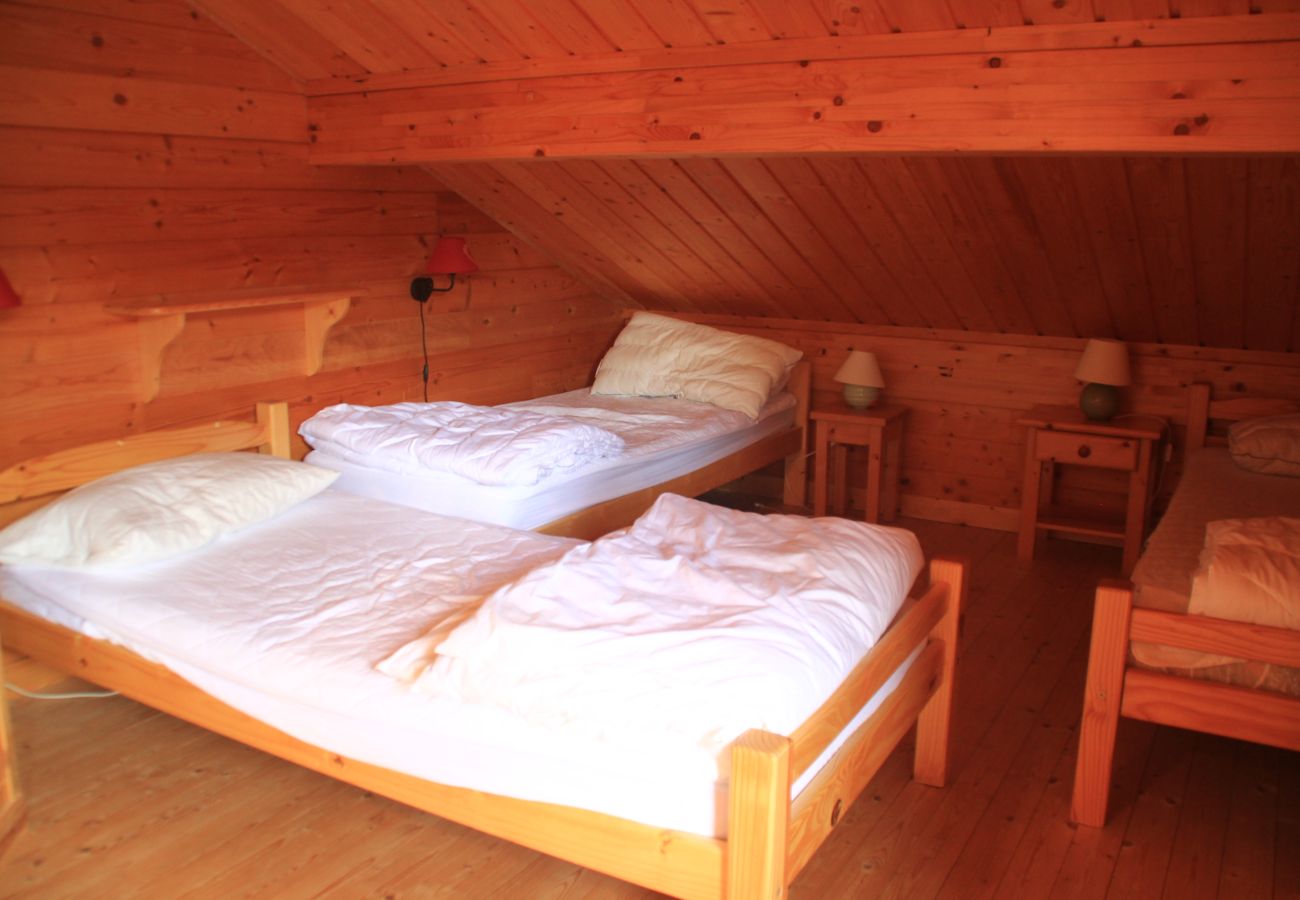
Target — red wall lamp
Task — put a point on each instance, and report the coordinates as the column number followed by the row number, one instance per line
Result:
column 450, row 257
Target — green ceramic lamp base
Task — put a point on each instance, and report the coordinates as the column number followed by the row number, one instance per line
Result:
column 859, row 397
column 1099, row 402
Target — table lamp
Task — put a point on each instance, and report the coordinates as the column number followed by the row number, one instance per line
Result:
column 860, row 375
column 1104, row 369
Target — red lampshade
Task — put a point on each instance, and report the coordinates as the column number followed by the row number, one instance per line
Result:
column 451, row 257
column 8, row 296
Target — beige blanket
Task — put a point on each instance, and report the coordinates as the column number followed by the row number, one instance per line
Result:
column 1250, row 572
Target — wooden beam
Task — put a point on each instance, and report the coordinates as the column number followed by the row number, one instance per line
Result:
column 1233, row 90
column 1090, row 35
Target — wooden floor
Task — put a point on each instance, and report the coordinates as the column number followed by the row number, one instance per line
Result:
column 127, row 802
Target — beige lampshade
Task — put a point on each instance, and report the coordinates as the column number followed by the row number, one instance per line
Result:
column 1104, row 362
column 860, row 368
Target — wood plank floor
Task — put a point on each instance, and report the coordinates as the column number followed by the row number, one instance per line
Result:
column 125, row 802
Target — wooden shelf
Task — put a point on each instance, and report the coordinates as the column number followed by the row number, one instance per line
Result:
column 162, row 317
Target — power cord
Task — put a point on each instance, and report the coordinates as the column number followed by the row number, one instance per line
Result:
column 424, row 347
column 71, row 695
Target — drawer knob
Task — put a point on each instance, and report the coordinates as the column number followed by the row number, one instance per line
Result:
column 1084, row 451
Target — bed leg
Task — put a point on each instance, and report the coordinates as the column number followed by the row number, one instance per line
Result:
column 759, row 816
column 1103, row 690
column 930, row 765
column 795, row 489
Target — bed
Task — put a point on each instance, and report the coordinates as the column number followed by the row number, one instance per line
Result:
column 692, row 407
column 768, row 837
column 1153, row 655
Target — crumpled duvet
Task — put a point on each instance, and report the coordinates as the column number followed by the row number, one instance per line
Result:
column 487, row 444
column 697, row 620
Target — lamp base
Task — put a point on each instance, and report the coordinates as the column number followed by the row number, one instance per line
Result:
column 1099, row 402
column 858, row 396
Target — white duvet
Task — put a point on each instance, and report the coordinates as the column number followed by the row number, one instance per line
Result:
column 697, row 621
column 485, row 444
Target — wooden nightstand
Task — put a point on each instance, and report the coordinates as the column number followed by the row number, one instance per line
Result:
column 1061, row 434
column 880, row 429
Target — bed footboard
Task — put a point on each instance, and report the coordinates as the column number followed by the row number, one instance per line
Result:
column 1114, row 688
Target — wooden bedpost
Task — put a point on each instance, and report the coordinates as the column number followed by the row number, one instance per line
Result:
column 930, row 765
column 274, row 417
column 1102, row 697
column 796, row 465
column 759, row 815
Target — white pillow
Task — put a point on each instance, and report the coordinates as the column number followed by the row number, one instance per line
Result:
column 1270, row 445
column 160, row 509
column 656, row 356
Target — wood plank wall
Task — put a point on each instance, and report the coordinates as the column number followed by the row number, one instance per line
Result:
column 143, row 150
column 962, row 450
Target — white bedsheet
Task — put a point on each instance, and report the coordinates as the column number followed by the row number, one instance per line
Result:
column 663, row 438
column 484, row 444
column 287, row 619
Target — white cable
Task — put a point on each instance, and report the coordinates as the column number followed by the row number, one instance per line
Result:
column 72, row 695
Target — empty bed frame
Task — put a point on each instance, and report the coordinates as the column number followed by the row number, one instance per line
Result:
column 771, row 836
column 1118, row 685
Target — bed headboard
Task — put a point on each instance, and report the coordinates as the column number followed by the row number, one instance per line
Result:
column 32, row 483
column 1203, row 409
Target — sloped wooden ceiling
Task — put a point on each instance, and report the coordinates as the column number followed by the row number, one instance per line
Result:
column 1183, row 251
column 659, row 203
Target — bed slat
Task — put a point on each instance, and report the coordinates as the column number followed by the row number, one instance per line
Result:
column 1241, row 640
column 1221, row 709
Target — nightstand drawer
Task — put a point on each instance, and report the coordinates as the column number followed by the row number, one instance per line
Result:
column 1086, row 450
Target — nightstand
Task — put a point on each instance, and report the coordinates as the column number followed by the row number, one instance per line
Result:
column 878, row 428
column 1061, row 434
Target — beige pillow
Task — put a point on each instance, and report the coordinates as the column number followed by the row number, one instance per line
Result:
column 657, row 356
column 1270, row 445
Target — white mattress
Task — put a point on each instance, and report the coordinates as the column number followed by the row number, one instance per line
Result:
column 664, row 438
column 285, row 621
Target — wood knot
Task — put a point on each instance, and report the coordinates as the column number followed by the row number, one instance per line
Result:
column 836, row 811
column 1182, row 128
column 1202, row 120
column 838, row 101
column 874, row 125
column 539, row 152
column 695, row 135
column 119, row 99
column 995, row 62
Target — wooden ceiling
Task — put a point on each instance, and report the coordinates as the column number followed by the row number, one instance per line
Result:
column 347, row 38
column 1187, row 250
column 1158, row 249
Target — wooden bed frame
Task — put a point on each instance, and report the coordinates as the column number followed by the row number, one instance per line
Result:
column 771, row 837
column 789, row 446
column 1115, row 687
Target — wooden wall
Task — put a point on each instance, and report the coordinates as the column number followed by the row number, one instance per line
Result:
column 963, row 451
column 146, row 151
